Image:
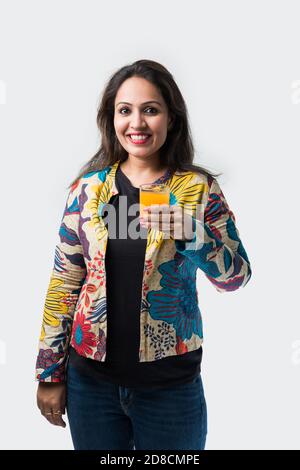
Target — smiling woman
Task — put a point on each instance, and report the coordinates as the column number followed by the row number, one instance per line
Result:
column 141, row 130
column 122, row 330
column 144, row 97
column 141, row 126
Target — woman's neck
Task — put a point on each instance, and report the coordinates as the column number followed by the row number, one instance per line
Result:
column 142, row 174
column 143, row 169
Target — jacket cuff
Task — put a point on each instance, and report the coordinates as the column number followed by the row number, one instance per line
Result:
column 50, row 366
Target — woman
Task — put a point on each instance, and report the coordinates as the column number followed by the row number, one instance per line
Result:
column 121, row 341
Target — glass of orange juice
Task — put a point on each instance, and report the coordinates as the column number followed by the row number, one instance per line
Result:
column 153, row 194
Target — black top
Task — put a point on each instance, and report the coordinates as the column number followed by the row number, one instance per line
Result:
column 124, row 263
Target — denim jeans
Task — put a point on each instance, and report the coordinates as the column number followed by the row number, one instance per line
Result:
column 107, row 416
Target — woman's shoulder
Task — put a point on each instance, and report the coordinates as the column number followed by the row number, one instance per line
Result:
column 192, row 177
column 92, row 177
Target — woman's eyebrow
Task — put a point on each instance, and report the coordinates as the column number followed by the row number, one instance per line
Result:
column 146, row 102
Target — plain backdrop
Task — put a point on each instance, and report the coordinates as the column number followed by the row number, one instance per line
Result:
column 237, row 65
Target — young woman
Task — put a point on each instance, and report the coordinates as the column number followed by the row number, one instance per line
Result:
column 121, row 342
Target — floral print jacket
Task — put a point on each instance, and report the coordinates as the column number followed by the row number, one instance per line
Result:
column 170, row 318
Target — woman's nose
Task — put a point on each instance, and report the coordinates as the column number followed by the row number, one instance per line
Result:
column 137, row 119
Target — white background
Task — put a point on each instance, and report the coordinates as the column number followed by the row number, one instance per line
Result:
column 237, row 65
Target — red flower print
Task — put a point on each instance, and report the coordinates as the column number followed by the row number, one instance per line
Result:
column 181, row 347
column 83, row 339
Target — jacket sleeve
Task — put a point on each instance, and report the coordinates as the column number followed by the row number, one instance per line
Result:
column 65, row 283
column 216, row 247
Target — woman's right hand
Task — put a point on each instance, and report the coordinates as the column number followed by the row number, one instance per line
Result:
column 51, row 400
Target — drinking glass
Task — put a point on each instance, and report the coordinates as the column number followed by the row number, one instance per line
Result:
column 153, row 194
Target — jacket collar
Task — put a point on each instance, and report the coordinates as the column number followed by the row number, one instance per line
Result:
column 103, row 194
column 111, row 179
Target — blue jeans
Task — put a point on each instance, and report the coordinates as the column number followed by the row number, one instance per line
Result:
column 107, row 416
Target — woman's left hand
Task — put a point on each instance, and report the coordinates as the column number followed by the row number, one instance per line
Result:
column 171, row 220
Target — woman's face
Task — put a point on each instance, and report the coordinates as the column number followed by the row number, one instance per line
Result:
column 140, row 109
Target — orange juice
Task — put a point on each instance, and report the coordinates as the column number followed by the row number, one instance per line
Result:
column 153, row 194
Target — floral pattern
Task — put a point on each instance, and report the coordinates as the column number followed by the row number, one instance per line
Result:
column 176, row 303
column 75, row 309
column 83, row 339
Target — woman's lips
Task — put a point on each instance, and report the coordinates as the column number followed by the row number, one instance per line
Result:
column 138, row 141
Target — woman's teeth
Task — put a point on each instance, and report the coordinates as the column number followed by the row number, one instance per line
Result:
column 139, row 138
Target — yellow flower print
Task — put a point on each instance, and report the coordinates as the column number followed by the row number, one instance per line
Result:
column 186, row 191
column 97, row 199
column 54, row 304
column 101, row 196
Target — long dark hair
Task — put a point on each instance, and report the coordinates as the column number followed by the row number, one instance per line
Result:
column 177, row 152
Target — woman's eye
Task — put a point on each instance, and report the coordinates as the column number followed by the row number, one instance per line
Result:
column 126, row 109
column 152, row 109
